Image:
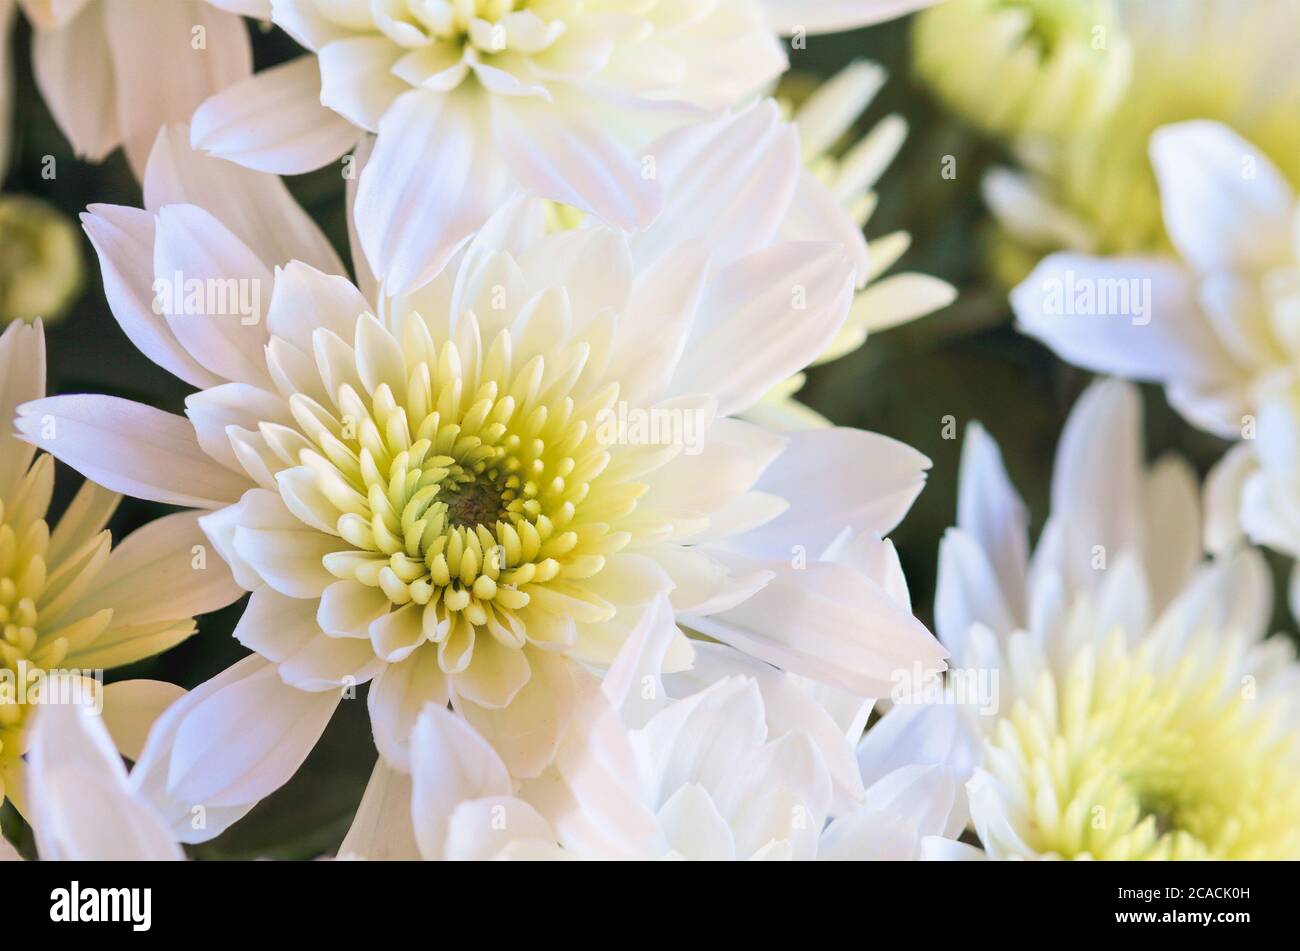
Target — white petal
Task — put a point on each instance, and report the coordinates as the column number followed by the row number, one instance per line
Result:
column 82, row 807
column 764, row 318
column 480, row 829
column 22, row 379
column 557, row 151
column 304, row 299
column 898, row 299
column 398, row 694
column 289, row 560
column 1146, row 322
column 124, row 240
column 214, row 409
column 450, row 764
column 258, row 208
column 900, row 812
column 274, row 122
column 1224, row 487
column 432, row 179
column 130, row 448
column 968, row 592
column 693, row 826
column 1096, row 479
column 382, row 829
column 356, row 78
column 991, row 512
column 222, row 325
column 835, row 479
column 160, row 77
column 246, row 740
column 1171, row 510
column 1226, row 205
column 528, row 731
column 74, row 73
column 826, row 622
column 591, row 797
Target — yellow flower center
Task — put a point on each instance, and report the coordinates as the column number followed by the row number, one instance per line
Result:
column 1134, row 756
column 470, row 490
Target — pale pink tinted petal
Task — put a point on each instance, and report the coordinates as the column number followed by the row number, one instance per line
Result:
column 130, row 448
column 274, row 122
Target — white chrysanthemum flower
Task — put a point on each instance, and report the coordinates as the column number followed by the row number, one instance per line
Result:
column 472, row 98
column 748, row 763
column 1093, row 191
column 1024, row 67
column 464, row 493
column 69, row 601
column 1216, row 326
column 1135, row 710
column 824, row 118
column 98, row 62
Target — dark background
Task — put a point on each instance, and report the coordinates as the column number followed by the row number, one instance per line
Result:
column 965, row 361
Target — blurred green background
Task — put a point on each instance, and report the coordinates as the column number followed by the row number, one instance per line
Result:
column 965, row 361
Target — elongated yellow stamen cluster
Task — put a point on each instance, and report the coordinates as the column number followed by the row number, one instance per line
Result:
column 469, row 492
column 33, row 596
column 1133, row 755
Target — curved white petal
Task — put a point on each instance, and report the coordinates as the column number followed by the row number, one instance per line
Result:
column 274, row 122
column 1226, row 206
column 257, row 208
column 130, row 448
column 168, row 56
column 82, row 806
column 433, row 178
column 450, row 764
column 22, row 379
column 123, row 238
column 74, row 72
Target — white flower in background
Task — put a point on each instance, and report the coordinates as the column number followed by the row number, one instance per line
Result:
column 750, row 766
column 68, row 599
column 1215, row 325
column 84, row 806
column 824, row 117
column 473, row 98
column 1092, row 190
column 1140, row 712
column 1024, row 67
column 113, row 72
column 460, row 494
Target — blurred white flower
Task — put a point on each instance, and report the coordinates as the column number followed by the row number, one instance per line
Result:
column 1024, row 67
column 1092, row 190
column 493, row 480
column 1216, row 325
column 473, row 98
column 113, row 72
column 69, row 600
column 1140, row 713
